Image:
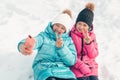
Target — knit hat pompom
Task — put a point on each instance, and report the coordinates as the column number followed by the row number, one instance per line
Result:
column 64, row 18
column 67, row 11
column 90, row 6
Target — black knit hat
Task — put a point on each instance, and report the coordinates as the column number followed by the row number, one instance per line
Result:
column 86, row 15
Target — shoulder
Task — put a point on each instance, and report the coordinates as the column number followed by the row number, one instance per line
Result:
column 93, row 36
column 43, row 34
column 68, row 40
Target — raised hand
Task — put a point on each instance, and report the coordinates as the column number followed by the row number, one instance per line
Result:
column 27, row 47
column 59, row 41
column 86, row 36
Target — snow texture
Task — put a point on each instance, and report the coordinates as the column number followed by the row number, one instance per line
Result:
column 19, row 18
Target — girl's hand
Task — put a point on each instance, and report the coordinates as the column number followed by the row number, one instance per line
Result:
column 27, row 47
column 24, row 50
column 86, row 36
column 59, row 41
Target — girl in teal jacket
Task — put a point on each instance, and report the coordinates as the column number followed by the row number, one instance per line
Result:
column 56, row 51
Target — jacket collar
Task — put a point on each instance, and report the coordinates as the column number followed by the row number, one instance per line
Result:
column 75, row 31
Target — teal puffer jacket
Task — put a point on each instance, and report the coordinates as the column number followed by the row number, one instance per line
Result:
column 50, row 60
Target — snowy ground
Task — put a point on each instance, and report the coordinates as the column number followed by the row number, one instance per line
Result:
column 18, row 18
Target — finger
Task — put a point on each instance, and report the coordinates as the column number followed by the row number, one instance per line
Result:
column 27, row 41
column 60, row 35
column 24, row 50
column 84, row 33
column 60, row 44
column 59, row 41
column 27, row 52
column 56, row 35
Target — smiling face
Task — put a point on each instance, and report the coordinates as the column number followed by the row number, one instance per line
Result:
column 59, row 28
column 82, row 26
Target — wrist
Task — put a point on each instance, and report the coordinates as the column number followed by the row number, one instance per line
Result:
column 87, row 42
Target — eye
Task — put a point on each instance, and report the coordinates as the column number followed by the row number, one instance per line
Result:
column 85, row 25
column 63, row 28
column 79, row 24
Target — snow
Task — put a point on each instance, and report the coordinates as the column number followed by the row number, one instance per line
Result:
column 19, row 18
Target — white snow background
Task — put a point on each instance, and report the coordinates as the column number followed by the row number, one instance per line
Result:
column 19, row 18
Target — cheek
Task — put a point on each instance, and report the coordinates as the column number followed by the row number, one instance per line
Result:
column 86, row 28
column 62, row 31
column 54, row 28
column 78, row 28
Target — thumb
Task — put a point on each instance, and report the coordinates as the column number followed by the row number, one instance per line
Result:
column 85, row 33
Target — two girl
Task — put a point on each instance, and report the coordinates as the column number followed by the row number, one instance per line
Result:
column 56, row 50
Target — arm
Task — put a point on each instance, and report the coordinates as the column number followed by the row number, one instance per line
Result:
column 29, row 44
column 68, row 53
column 82, row 67
column 38, row 41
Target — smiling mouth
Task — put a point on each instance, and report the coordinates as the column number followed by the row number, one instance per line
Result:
column 57, row 32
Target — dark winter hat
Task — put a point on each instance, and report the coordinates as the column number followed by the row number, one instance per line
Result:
column 86, row 15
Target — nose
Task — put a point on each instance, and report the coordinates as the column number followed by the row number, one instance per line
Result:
column 81, row 26
column 58, row 30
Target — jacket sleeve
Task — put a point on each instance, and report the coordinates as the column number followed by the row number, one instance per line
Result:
column 20, row 43
column 92, row 48
column 67, row 53
column 38, row 42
